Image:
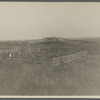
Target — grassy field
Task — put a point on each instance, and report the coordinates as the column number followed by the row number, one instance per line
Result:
column 79, row 77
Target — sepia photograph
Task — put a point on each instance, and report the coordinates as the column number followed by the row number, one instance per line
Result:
column 49, row 49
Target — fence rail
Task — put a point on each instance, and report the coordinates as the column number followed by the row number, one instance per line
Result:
column 67, row 58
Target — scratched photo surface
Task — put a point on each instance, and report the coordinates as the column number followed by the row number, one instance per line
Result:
column 49, row 49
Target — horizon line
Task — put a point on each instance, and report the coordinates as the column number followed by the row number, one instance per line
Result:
column 49, row 37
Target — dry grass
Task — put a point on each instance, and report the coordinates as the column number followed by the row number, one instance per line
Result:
column 79, row 77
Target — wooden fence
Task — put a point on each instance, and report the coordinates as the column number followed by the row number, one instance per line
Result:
column 67, row 58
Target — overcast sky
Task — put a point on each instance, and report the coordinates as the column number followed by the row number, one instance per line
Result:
column 37, row 20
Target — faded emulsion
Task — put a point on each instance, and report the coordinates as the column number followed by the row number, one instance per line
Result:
column 49, row 49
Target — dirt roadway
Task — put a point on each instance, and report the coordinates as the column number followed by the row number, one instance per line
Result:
column 80, row 77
